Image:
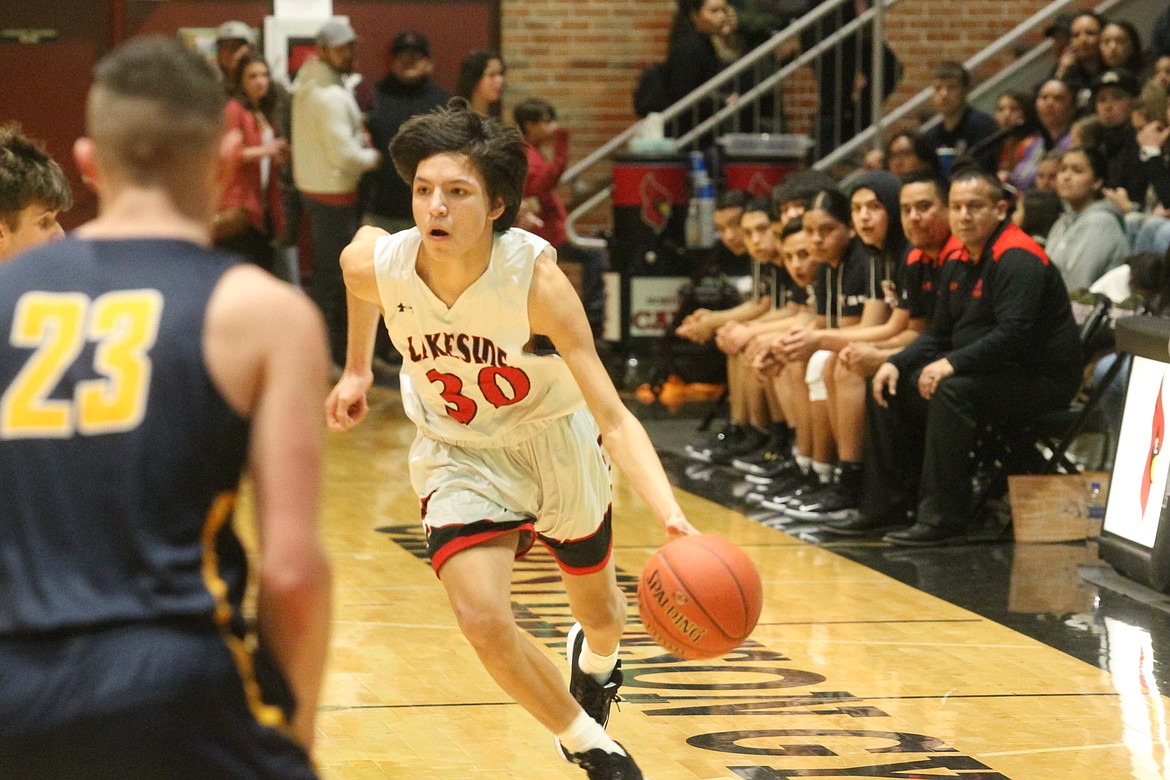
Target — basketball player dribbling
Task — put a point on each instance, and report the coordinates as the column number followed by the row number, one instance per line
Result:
column 508, row 449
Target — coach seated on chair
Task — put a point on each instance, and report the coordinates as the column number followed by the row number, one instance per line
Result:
column 1002, row 348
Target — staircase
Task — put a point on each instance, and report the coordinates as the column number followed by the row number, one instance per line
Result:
column 757, row 80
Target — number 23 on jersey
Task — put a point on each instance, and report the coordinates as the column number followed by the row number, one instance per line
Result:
column 122, row 325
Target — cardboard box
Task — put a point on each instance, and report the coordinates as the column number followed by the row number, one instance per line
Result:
column 1054, row 507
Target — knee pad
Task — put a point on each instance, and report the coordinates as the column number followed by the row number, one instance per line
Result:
column 814, row 377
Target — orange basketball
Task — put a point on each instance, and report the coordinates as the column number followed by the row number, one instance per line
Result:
column 699, row 596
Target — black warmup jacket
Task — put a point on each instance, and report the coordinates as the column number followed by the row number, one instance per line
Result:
column 1007, row 309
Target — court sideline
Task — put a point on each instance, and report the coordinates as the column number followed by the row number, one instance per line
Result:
column 850, row 672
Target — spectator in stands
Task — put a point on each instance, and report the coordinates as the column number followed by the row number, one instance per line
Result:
column 1080, row 63
column 1114, row 92
column 1160, row 36
column 1055, row 109
column 537, row 120
column 962, row 127
column 844, row 74
column 909, row 152
column 1089, row 238
column 1036, row 212
column 330, row 153
column 481, row 81
column 1060, row 31
column 251, row 214
column 1002, row 348
column 1153, row 234
column 33, row 191
column 1161, row 70
column 405, row 91
column 691, row 57
column 1047, row 171
column 1015, row 115
column 233, row 40
column 1121, row 47
column 1086, row 132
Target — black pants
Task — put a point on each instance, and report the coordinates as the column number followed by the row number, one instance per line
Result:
column 918, row 452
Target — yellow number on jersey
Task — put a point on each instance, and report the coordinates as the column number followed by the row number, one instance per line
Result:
column 124, row 327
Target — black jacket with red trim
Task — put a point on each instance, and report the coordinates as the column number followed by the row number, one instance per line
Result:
column 1007, row 308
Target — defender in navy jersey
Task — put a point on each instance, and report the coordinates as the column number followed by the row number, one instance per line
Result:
column 140, row 373
column 509, row 449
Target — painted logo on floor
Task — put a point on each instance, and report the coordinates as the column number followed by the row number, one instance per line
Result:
column 752, row 681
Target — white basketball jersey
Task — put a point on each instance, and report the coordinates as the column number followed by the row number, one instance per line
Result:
column 465, row 378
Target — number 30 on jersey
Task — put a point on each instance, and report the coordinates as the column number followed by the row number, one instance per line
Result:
column 122, row 325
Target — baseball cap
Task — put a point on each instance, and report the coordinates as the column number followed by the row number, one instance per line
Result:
column 235, row 31
column 410, row 41
column 335, row 33
column 1121, row 79
column 1061, row 23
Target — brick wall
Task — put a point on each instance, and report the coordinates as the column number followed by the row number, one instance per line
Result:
column 584, row 56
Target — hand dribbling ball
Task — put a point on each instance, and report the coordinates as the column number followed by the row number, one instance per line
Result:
column 699, row 596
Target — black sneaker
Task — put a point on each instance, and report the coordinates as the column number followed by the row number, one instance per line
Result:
column 798, row 489
column 593, row 697
column 835, row 502
column 773, row 473
column 725, row 438
column 600, row 765
column 865, row 526
column 751, row 443
column 926, row 535
column 775, row 451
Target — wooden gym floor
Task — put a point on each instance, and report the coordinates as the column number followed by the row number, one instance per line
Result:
column 851, row 672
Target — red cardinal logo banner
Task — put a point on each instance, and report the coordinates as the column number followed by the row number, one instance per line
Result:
column 1157, row 433
column 656, row 201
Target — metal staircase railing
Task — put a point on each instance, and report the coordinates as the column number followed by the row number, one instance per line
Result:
column 727, row 118
column 759, row 67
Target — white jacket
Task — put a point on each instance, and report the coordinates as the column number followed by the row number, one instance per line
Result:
column 329, row 151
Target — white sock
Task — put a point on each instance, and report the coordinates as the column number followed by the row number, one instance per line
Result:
column 805, row 462
column 599, row 667
column 824, row 471
column 585, row 734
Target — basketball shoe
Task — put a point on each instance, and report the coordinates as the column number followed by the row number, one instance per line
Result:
column 593, row 697
column 600, row 765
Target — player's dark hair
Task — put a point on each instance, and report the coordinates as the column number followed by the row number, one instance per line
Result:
column 28, row 175
column 760, row 204
column 834, row 203
column 794, row 226
column 802, row 185
column 732, row 199
column 1041, row 210
column 494, row 148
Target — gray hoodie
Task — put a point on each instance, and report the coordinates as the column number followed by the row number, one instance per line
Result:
column 329, row 151
column 1086, row 244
